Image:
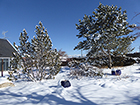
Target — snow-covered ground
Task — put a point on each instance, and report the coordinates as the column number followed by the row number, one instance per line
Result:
column 109, row 90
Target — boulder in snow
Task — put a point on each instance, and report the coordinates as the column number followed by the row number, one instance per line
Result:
column 116, row 72
column 65, row 83
column 6, row 84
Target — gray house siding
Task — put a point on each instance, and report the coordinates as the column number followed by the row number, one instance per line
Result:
column 6, row 50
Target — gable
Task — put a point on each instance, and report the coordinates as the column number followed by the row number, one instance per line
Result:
column 6, row 48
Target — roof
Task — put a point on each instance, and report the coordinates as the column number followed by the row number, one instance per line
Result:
column 6, row 48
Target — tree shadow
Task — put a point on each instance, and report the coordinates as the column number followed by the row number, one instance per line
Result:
column 136, row 72
column 55, row 98
column 134, row 100
column 52, row 99
column 108, row 74
column 138, row 69
column 35, row 98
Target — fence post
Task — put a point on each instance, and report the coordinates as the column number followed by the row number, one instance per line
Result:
column 2, row 69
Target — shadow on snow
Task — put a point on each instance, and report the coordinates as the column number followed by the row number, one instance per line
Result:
column 34, row 98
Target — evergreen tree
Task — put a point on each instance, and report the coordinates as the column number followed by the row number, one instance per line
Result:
column 37, row 58
column 105, row 33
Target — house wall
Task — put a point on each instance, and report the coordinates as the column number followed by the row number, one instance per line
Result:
column 6, row 63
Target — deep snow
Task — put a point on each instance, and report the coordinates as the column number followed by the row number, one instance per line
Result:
column 109, row 90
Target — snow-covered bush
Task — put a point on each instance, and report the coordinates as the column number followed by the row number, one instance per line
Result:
column 102, row 61
column 123, row 61
column 83, row 69
column 35, row 60
column 99, row 61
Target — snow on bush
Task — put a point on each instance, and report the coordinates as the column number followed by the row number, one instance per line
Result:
column 83, row 69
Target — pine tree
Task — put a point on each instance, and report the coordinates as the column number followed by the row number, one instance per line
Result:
column 105, row 33
column 37, row 58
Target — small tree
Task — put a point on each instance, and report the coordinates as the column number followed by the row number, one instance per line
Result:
column 37, row 58
column 106, row 33
column 62, row 53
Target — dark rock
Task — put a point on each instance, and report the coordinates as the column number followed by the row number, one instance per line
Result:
column 65, row 83
column 117, row 72
column 113, row 72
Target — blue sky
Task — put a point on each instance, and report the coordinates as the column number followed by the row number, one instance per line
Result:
column 58, row 16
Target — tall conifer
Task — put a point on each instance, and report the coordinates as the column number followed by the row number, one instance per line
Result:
column 105, row 33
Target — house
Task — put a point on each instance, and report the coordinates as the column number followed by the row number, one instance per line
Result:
column 6, row 50
column 63, row 60
column 137, row 54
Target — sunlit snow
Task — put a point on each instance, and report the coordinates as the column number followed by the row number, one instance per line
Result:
column 109, row 90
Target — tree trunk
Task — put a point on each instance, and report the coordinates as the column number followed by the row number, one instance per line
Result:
column 110, row 60
column 109, row 57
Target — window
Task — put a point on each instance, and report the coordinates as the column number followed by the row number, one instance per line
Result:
column 5, row 64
